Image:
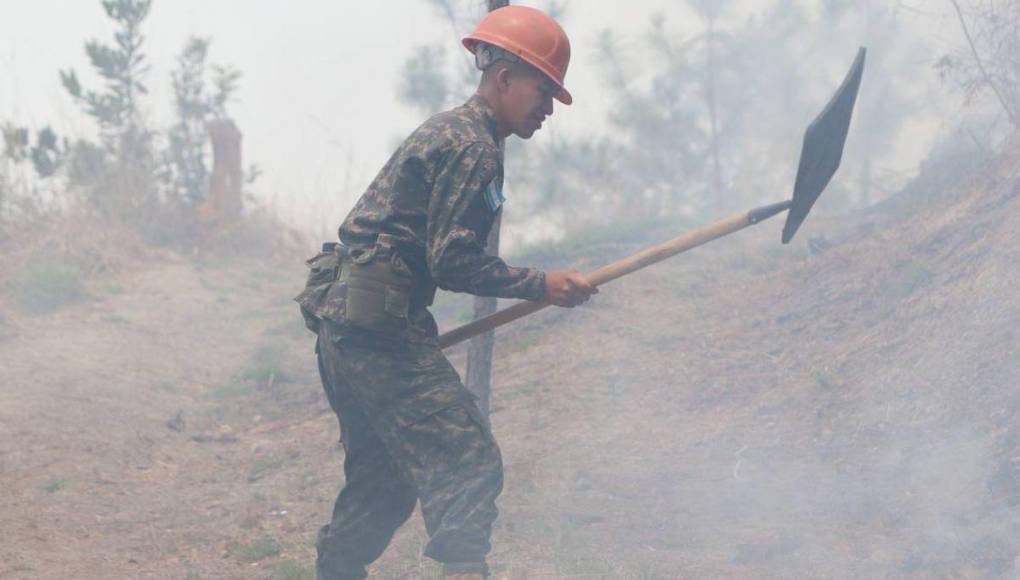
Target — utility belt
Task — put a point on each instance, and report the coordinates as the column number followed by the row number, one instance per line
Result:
column 364, row 287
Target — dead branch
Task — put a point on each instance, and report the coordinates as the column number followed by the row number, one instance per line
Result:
column 981, row 66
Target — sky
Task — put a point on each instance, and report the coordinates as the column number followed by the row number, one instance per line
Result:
column 317, row 103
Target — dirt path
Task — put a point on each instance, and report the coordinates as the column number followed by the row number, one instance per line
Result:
column 172, row 427
column 124, row 452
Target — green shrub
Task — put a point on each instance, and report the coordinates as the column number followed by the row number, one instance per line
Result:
column 291, row 570
column 228, row 391
column 113, row 317
column 265, row 364
column 45, row 285
column 55, row 486
column 258, row 550
column 824, row 380
column 263, row 466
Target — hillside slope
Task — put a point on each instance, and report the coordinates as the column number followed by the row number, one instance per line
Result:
column 744, row 411
column 842, row 413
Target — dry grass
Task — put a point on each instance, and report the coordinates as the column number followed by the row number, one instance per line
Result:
column 739, row 412
column 55, row 259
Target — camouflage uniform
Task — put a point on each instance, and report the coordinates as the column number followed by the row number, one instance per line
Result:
column 410, row 429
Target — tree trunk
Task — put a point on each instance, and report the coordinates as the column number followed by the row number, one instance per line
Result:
column 480, row 349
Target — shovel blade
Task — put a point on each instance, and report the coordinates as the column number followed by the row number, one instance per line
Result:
column 823, row 147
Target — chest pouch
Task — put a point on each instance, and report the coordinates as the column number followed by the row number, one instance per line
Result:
column 379, row 286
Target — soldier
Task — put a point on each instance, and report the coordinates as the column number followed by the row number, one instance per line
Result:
column 410, row 429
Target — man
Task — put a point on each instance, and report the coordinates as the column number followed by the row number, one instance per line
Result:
column 411, row 431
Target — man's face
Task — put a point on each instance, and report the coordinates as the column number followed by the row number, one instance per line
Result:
column 528, row 99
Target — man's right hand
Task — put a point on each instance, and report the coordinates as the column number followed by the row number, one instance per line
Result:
column 567, row 288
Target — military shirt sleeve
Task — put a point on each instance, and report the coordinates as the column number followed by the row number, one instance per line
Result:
column 459, row 220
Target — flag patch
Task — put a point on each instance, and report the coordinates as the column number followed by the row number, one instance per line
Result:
column 494, row 195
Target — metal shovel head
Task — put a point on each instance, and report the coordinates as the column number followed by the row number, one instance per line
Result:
column 823, row 147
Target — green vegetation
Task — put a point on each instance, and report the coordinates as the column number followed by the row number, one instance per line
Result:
column 207, row 283
column 263, row 466
column 130, row 172
column 230, row 391
column 291, row 570
column 55, row 486
column 112, row 317
column 217, row 413
column 824, row 380
column 293, row 328
column 264, row 367
column 47, row 284
column 186, row 172
column 648, row 571
column 906, row 279
column 256, row 551
column 168, row 387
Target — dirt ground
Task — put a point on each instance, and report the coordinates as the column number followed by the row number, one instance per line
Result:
column 845, row 407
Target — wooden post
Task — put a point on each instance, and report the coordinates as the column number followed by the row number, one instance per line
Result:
column 480, row 349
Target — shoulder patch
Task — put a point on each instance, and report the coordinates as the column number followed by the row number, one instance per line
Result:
column 494, row 194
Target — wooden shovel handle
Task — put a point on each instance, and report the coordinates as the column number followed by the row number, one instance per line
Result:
column 609, row 272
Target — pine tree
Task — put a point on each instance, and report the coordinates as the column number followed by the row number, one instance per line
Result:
column 185, row 165
column 122, row 182
column 423, row 84
column 123, row 67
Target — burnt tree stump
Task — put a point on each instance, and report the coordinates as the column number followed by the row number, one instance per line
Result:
column 223, row 202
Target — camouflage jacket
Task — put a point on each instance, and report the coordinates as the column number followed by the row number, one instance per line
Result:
column 438, row 196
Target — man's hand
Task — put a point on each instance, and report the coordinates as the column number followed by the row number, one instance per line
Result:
column 567, row 288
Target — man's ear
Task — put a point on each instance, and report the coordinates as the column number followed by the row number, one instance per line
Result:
column 503, row 77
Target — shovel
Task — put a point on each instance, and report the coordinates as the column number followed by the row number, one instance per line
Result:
column 819, row 159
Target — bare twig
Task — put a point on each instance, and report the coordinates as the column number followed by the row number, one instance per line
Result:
column 448, row 11
column 981, row 66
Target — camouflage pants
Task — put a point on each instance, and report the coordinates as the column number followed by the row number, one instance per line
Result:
column 411, row 432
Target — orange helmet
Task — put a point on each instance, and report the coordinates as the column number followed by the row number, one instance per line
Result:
column 531, row 35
